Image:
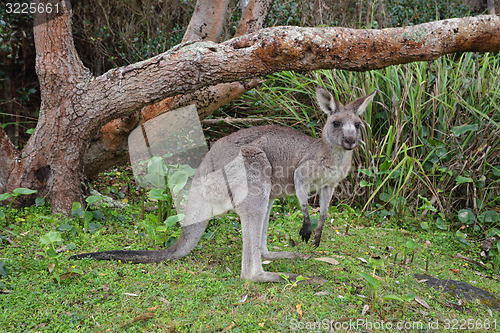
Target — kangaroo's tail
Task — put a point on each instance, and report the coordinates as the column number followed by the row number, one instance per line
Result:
column 188, row 239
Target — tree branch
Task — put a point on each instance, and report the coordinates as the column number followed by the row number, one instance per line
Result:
column 184, row 69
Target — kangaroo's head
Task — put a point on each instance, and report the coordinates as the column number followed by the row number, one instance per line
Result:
column 343, row 123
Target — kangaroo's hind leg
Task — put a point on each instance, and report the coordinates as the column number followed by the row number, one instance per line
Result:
column 275, row 255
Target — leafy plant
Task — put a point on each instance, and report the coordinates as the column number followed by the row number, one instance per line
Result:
column 409, row 297
column 87, row 216
column 374, row 285
column 49, row 241
column 167, row 181
column 13, row 196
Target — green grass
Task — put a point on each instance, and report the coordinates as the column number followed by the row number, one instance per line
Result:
column 203, row 292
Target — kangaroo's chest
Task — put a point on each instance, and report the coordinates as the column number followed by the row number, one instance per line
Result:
column 330, row 173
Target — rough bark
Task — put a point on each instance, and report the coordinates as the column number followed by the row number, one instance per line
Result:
column 52, row 159
column 206, row 22
column 253, row 16
column 76, row 105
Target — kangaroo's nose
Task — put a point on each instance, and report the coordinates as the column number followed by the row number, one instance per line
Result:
column 349, row 142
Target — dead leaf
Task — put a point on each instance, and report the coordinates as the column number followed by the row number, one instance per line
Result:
column 365, row 309
column 422, row 302
column 67, row 275
column 456, row 271
column 322, row 293
column 243, row 299
column 105, row 287
column 363, row 260
column 164, row 300
column 153, row 308
column 131, row 294
column 144, row 316
column 328, row 260
column 51, row 267
column 298, row 308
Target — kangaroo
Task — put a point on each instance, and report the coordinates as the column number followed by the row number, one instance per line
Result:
column 247, row 170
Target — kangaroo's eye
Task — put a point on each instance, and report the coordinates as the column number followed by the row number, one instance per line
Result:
column 336, row 123
column 357, row 124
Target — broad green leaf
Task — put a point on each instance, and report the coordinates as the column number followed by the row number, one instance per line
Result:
column 158, row 195
column 440, row 224
column 459, row 130
column 88, row 216
column 93, row 227
column 76, row 205
column 462, row 179
column 93, row 199
column 50, row 237
column 410, row 245
column 2, row 214
column 23, row 191
column 3, row 269
column 71, row 246
column 178, row 180
column 301, row 278
column 64, row 227
column 466, row 216
column 98, row 215
column 51, row 253
column 424, row 225
column 411, row 296
column 375, row 284
column 157, row 171
column 364, row 183
column 494, row 232
column 5, row 196
column 366, row 172
column 78, row 213
column 172, row 220
column 40, row 202
column 489, row 216
column 460, row 237
column 393, row 297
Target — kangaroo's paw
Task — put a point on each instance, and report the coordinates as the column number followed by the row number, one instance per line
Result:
column 305, row 232
column 317, row 238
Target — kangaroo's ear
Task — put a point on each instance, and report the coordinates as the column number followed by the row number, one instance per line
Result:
column 326, row 101
column 359, row 105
